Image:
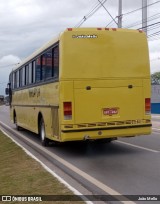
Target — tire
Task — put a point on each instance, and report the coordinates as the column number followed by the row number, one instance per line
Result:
column 15, row 121
column 44, row 140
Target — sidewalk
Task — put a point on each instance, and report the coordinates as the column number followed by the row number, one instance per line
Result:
column 156, row 123
column 155, row 116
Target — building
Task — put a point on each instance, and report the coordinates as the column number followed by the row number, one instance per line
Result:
column 1, row 99
column 155, row 100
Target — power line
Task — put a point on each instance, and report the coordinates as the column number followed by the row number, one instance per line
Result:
column 96, row 8
column 111, row 22
column 140, row 8
column 149, row 25
column 154, row 38
column 130, row 12
column 108, row 12
column 101, row 4
column 154, row 34
column 151, row 18
column 155, row 27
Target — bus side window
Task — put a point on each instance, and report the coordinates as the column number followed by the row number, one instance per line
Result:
column 30, row 73
column 17, row 78
column 26, row 75
column 38, row 76
column 33, row 71
column 13, row 76
column 55, row 72
column 23, row 76
column 20, row 77
column 48, row 68
column 46, row 60
column 43, row 60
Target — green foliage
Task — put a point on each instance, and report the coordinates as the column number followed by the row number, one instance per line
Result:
column 155, row 77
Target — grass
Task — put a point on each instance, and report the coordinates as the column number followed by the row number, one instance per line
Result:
column 22, row 175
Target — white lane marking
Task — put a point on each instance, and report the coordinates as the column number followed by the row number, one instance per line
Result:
column 137, row 146
column 86, row 176
column 156, row 133
column 156, row 129
column 76, row 192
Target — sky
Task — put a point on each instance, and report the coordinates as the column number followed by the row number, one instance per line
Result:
column 25, row 25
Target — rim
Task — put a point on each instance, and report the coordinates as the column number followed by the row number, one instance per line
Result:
column 42, row 131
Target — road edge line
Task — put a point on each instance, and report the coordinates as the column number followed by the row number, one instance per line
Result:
column 86, row 176
column 75, row 191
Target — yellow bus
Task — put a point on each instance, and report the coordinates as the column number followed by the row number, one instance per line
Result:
column 86, row 84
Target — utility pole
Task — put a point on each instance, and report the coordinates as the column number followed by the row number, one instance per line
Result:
column 120, row 14
column 144, row 15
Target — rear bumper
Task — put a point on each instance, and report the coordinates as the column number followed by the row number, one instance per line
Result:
column 107, row 128
column 105, row 132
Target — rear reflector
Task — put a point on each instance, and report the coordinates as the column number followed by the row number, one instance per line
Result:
column 147, row 106
column 140, row 31
column 69, row 29
column 67, row 108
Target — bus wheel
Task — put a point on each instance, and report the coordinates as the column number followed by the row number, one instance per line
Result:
column 44, row 140
column 15, row 121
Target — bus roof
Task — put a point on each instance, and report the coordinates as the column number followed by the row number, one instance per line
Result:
column 38, row 51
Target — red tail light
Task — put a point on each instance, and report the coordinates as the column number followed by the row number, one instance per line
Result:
column 147, row 106
column 67, row 108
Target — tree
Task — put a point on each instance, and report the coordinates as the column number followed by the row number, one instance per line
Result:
column 155, row 77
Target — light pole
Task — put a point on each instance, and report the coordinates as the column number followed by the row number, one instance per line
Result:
column 120, row 14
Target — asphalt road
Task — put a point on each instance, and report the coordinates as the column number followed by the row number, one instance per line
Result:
column 128, row 166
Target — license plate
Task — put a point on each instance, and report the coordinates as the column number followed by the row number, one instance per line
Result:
column 110, row 111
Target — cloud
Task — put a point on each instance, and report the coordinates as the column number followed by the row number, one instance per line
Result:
column 154, row 52
column 7, row 63
column 10, row 59
column 27, row 25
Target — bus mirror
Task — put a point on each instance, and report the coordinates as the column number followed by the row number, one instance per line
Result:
column 7, row 91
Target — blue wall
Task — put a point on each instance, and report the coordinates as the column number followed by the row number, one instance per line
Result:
column 155, row 108
column 155, row 100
